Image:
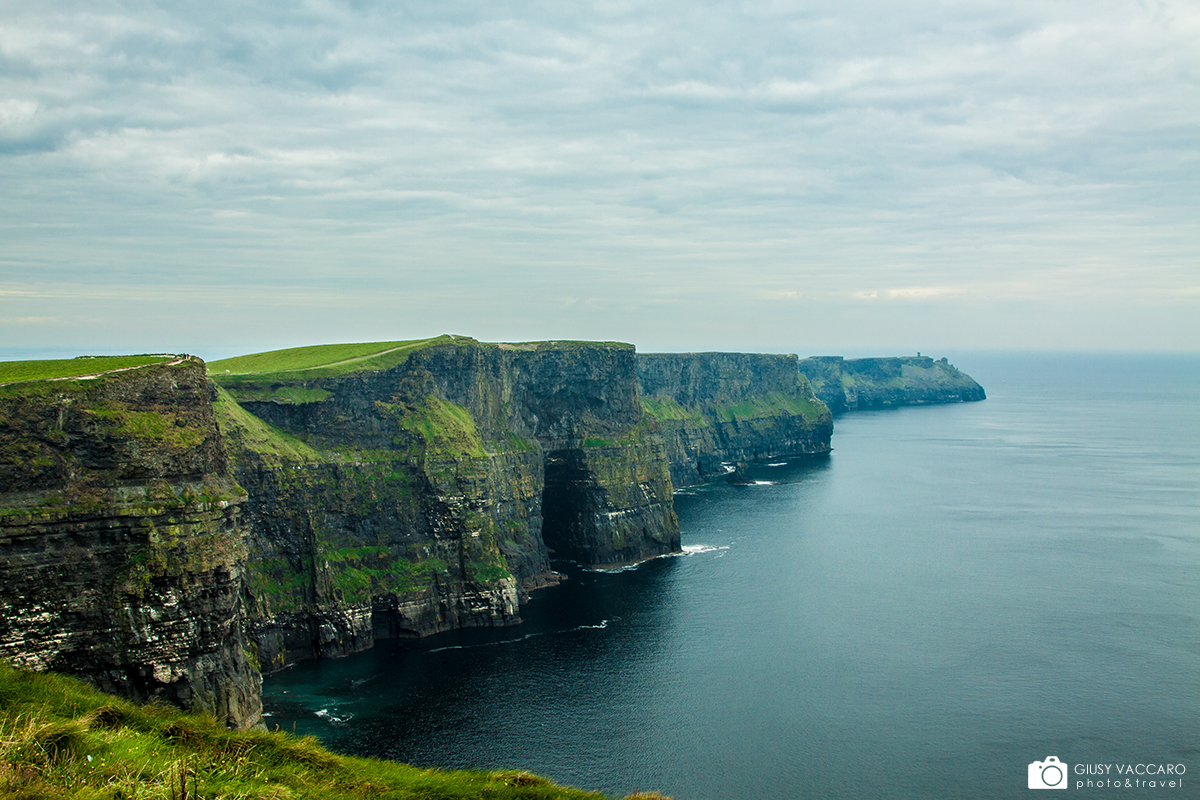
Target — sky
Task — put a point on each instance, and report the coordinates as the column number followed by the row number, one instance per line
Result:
column 814, row 177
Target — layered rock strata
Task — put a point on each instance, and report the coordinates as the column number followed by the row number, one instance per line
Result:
column 719, row 410
column 386, row 491
column 429, row 489
column 862, row 383
column 123, row 548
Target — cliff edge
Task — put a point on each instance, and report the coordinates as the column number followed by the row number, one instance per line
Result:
column 120, row 529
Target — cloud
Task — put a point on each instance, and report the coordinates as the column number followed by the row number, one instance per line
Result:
column 621, row 148
column 923, row 292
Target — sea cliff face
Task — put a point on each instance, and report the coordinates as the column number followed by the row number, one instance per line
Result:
column 861, row 383
column 123, row 547
column 719, row 410
column 427, row 494
column 169, row 536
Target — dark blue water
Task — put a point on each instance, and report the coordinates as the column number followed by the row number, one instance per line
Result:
column 956, row 592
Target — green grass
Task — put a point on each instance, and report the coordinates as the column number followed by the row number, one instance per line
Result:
column 323, row 360
column 668, row 409
column 770, row 405
column 364, row 572
column 246, row 430
column 563, row 344
column 158, row 427
column 445, row 427
column 60, row 740
column 19, row 371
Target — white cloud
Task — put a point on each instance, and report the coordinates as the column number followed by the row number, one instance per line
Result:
column 1019, row 150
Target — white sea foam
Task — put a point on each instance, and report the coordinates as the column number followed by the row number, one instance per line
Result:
column 600, row 626
column 324, row 714
column 777, row 464
column 696, row 549
column 764, row 483
column 603, row 624
column 614, row 570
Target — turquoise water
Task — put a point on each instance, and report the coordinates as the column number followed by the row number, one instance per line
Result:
column 955, row 592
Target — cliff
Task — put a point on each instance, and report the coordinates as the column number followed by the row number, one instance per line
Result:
column 403, row 488
column 717, row 410
column 66, row 741
column 168, row 536
column 123, row 547
column 847, row 385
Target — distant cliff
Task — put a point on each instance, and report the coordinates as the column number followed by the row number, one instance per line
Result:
column 122, row 543
column 718, row 410
column 850, row 384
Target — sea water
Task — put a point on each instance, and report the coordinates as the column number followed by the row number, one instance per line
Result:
column 956, row 592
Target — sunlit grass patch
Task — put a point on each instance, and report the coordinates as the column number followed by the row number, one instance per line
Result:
column 18, row 371
column 323, row 360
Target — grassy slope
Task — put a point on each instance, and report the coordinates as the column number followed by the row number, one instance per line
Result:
column 60, row 740
column 243, row 429
column 299, row 364
column 17, row 371
column 666, row 409
column 324, row 360
column 771, row 405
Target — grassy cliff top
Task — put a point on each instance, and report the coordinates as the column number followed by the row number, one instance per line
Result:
column 333, row 360
column 326, row 360
column 562, row 344
column 60, row 740
column 21, row 371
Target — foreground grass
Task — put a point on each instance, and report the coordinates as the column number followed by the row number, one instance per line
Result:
column 60, row 740
column 18, row 371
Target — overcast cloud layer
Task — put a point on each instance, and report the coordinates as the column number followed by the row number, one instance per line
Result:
column 225, row 177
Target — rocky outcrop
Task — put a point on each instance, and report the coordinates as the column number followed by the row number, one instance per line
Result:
column 847, row 385
column 122, row 542
column 719, row 410
column 411, row 497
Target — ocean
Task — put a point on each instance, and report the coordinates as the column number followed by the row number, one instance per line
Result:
column 955, row 593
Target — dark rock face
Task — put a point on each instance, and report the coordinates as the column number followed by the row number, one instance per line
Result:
column 717, row 410
column 123, row 548
column 430, row 496
column 846, row 385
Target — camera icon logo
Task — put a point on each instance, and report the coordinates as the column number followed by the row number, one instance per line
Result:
column 1048, row 774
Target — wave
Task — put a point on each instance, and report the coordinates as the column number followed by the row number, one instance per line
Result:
column 697, row 549
column 686, row 550
column 778, row 464
column 324, row 714
column 625, row 568
column 601, row 625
